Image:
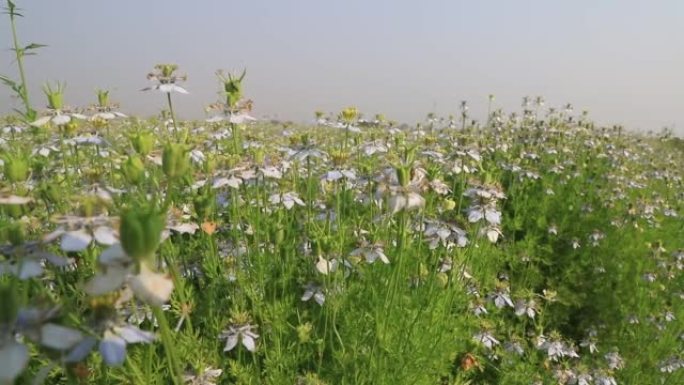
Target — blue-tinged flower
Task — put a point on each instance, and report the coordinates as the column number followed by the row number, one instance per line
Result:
column 208, row 376
column 166, row 80
column 240, row 333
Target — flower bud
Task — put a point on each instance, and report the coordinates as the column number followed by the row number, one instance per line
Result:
column 143, row 143
column 166, row 69
column 448, row 204
column 102, row 98
column 16, row 234
column 404, row 175
column 9, row 306
column 48, row 192
column 55, row 96
column 70, row 127
column 205, row 204
column 140, row 231
column 133, row 169
column 232, row 87
column 16, row 168
column 175, row 160
column 349, row 114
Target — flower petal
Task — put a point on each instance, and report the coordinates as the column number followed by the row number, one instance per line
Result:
column 42, row 121
column 248, row 343
column 81, row 350
column 151, row 287
column 113, row 349
column 231, row 342
column 76, row 241
column 14, row 357
column 29, row 268
column 59, row 337
column 105, row 235
column 61, row 119
column 114, row 255
column 134, row 335
column 111, row 279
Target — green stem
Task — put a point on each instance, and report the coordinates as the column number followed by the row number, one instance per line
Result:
column 167, row 341
column 20, row 63
column 173, row 114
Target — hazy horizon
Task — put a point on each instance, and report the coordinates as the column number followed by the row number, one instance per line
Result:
column 403, row 59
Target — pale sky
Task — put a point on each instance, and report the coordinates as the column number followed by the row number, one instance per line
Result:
column 620, row 59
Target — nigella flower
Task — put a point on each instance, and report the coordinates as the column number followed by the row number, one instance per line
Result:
column 371, row 252
column 112, row 346
column 405, row 200
column 312, row 290
column 603, row 378
column 335, row 175
column 104, row 109
column 439, row 187
column 166, row 80
column 528, row 308
column 117, row 268
column 115, row 334
column 671, row 365
column 501, row 297
column 374, row 148
column 240, row 117
column 486, row 339
column 76, row 233
column 289, row 200
column 575, row 243
column 590, row 342
column 492, row 232
column 446, row 234
column 240, row 333
column 58, row 114
column 27, row 260
column 30, row 323
column 553, row 230
column 208, row 376
column 478, row 307
column 555, row 347
column 514, row 347
column 595, row 237
column 488, row 212
column 614, row 360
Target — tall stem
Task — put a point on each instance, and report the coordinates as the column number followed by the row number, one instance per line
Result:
column 167, row 341
column 20, row 63
column 173, row 115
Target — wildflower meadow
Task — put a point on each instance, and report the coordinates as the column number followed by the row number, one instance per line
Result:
column 529, row 247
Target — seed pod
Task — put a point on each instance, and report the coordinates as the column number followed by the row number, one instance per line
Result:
column 16, row 169
column 140, row 231
column 133, row 169
column 143, row 143
column 175, row 160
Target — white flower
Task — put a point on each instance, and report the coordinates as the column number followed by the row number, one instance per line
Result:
column 614, row 360
column 235, row 118
column 57, row 117
column 207, row 377
column 486, row 339
column 501, row 298
column 243, row 333
column 311, row 290
column 371, row 252
column 405, row 201
column 117, row 268
column 113, row 344
column 523, row 307
column 14, row 357
column 288, row 200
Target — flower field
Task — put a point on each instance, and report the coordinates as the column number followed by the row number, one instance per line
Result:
column 529, row 247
